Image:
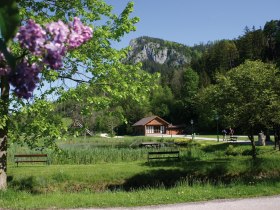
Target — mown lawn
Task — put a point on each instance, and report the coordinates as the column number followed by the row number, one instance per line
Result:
column 117, row 175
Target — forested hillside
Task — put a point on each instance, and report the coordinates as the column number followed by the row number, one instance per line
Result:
column 184, row 72
column 207, row 59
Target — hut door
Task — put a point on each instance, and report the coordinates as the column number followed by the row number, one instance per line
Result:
column 162, row 129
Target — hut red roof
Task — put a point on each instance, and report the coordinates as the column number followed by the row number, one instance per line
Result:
column 146, row 120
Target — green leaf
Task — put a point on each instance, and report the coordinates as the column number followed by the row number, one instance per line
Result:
column 9, row 19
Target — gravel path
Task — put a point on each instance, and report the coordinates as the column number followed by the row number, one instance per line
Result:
column 261, row 203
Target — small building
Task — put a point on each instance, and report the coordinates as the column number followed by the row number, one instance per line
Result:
column 176, row 129
column 150, row 125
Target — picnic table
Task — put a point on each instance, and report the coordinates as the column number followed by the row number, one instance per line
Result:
column 232, row 138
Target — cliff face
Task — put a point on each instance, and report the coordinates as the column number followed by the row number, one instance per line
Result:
column 159, row 51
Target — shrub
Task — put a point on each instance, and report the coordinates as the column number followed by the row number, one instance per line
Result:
column 248, row 152
column 184, row 142
column 231, row 150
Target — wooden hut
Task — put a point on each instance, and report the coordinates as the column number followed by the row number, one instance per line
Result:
column 150, row 125
column 176, row 129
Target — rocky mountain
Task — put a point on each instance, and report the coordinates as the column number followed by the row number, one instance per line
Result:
column 158, row 51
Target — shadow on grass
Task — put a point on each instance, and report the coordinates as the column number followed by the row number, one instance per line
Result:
column 28, row 184
column 224, row 146
column 214, row 172
column 190, row 172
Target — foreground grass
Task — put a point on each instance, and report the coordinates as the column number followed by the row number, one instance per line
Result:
column 137, row 183
column 207, row 170
column 181, row 193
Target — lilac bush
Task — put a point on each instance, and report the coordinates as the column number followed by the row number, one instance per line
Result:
column 25, row 78
column 59, row 31
column 50, row 44
column 32, row 37
column 79, row 33
column 54, row 53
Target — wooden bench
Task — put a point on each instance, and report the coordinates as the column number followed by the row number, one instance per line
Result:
column 232, row 138
column 163, row 155
column 31, row 158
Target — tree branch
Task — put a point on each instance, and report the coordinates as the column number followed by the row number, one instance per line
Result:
column 73, row 79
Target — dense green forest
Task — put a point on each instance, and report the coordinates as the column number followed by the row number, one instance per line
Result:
column 178, row 91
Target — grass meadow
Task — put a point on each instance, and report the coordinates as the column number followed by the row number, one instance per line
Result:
column 106, row 172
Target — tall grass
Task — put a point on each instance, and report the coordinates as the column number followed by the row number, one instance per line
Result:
column 72, row 155
column 97, row 155
column 92, row 150
column 100, row 150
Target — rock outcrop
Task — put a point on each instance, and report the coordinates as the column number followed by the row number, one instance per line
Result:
column 158, row 51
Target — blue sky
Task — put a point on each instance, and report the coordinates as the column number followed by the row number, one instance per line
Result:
column 194, row 21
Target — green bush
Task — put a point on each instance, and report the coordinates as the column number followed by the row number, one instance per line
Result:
column 231, row 150
column 248, row 152
column 184, row 142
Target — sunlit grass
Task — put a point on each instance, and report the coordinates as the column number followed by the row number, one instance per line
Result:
column 110, row 172
column 181, row 193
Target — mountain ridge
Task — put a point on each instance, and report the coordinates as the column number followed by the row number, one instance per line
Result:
column 160, row 52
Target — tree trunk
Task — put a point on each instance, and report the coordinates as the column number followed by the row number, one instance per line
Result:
column 4, row 108
column 254, row 153
column 3, row 162
column 276, row 137
column 275, row 140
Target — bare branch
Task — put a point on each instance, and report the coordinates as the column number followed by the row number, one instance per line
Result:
column 73, row 79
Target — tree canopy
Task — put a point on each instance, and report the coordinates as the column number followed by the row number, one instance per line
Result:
column 246, row 97
column 94, row 65
column 232, row 79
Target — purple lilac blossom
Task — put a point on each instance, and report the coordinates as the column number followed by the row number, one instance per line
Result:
column 2, row 58
column 79, row 33
column 5, row 70
column 25, row 78
column 51, row 44
column 32, row 36
column 54, row 55
column 59, row 31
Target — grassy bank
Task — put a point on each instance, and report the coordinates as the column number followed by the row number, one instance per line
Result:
column 116, row 174
column 153, row 196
